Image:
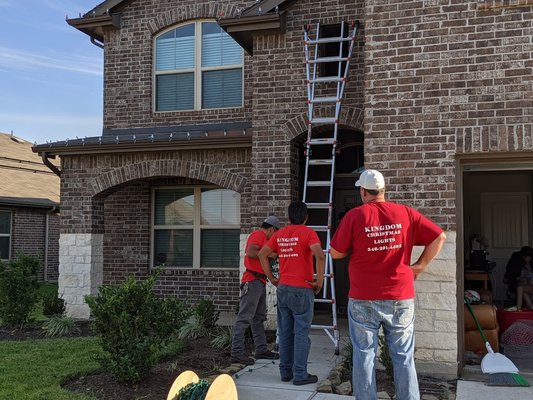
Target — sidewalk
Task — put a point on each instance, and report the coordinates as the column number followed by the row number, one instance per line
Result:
column 261, row 381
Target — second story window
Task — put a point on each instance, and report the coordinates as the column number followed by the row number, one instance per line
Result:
column 5, row 234
column 197, row 66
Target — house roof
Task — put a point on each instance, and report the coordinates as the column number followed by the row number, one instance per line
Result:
column 179, row 137
column 25, row 179
column 265, row 16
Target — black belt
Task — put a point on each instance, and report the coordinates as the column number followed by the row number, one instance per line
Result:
column 257, row 274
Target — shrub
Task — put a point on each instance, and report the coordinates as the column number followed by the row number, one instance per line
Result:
column 59, row 326
column 52, row 304
column 18, row 289
column 223, row 339
column 206, row 312
column 133, row 326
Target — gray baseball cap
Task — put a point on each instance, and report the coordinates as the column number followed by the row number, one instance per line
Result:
column 272, row 220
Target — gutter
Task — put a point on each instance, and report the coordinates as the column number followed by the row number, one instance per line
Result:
column 97, row 44
column 52, row 167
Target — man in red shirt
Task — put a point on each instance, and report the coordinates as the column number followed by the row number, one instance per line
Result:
column 252, row 306
column 379, row 236
column 295, row 246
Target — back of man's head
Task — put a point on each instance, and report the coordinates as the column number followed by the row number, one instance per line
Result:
column 297, row 212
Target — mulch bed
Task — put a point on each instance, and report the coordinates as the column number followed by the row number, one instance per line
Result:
column 35, row 331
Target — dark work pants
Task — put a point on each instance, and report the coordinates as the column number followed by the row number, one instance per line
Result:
column 252, row 312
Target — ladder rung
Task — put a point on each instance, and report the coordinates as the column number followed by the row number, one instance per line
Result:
column 325, row 100
column 318, row 183
column 319, row 228
column 328, row 59
column 329, row 40
column 323, row 301
column 321, row 162
column 326, row 79
column 323, row 141
column 318, row 205
column 323, row 327
column 325, row 120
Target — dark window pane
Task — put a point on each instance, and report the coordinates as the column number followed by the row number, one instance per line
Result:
column 175, row 92
column 220, row 248
column 5, row 222
column 222, row 88
column 4, row 248
column 173, row 248
column 175, row 49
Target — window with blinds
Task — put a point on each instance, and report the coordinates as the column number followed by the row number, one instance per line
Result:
column 197, row 66
column 196, row 227
column 5, row 234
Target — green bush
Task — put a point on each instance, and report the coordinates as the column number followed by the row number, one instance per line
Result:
column 222, row 339
column 52, row 304
column 133, row 325
column 18, row 289
column 60, row 326
column 205, row 311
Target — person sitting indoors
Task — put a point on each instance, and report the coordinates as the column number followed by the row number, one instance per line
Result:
column 519, row 277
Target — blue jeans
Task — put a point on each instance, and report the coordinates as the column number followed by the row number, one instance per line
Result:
column 397, row 319
column 295, row 313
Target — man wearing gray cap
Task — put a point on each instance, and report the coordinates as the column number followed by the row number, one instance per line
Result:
column 252, row 306
column 379, row 236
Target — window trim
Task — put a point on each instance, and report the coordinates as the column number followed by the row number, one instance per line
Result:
column 196, row 228
column 9, row 235
column 197, row 70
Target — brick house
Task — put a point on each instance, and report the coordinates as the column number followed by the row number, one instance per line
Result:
column 29, row 206
column 439, row 99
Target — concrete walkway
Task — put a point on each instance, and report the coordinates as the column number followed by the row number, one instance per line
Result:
column 261, row 381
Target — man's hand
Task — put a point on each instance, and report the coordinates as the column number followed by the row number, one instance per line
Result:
column 274, row 281
column 317, row 286
column 417, row 269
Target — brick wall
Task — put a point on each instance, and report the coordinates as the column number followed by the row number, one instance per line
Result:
column 28, row 237
column 442, row 78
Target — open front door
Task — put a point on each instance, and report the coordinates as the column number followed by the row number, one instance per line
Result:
column 505, row 223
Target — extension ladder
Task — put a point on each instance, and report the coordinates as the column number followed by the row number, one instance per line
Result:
column 318, row 194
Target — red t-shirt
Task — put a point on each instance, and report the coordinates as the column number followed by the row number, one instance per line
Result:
column 293, row 247
column 258, row 238
column 381, row 236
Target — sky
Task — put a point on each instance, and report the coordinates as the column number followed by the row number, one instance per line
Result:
column 50, row 73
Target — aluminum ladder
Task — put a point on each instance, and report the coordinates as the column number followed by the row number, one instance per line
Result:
column 318, row 194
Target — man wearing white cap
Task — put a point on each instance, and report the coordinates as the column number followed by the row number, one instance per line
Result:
column 252, row 306
column 379, row 236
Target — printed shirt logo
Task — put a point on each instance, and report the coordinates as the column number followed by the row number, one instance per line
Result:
column 384, row 237
column 287, row 247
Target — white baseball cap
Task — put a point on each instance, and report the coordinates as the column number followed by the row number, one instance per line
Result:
column 371, row 179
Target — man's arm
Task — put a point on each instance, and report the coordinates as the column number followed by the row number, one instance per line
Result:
column 263, row 255
column 252, row 251
column 320, row 263
column 336, row 255
column 429, row 253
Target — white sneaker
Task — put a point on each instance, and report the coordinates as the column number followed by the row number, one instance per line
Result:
column 513, row 308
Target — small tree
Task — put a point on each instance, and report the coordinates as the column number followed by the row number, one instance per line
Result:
column 18, row 289
column 133, row 325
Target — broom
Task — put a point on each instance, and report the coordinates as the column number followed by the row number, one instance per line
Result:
column 501, row 370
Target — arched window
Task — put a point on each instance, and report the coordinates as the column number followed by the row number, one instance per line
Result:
column 197, row 66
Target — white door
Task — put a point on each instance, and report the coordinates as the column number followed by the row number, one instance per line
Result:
column 505, row 223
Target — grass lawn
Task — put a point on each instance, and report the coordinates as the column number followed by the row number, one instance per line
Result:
column 34, row 369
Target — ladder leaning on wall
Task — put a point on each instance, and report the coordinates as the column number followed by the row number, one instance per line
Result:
column 327, row 93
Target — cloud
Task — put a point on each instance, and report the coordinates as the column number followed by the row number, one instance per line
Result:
column 5, row 3
column 16, row 60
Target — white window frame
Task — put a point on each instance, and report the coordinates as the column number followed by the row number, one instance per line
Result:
column 196, row 227
column 9, row 235
column 198, row 70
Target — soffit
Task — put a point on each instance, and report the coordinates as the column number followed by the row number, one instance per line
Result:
column 25, row 179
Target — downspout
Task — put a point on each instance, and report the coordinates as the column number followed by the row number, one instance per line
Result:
column 46, row 229
column 52, row 167
column 97, row 44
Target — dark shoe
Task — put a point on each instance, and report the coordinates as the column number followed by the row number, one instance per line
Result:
column 307, row 381
column 242, row 360
column 286, row 378
column 267, row 355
